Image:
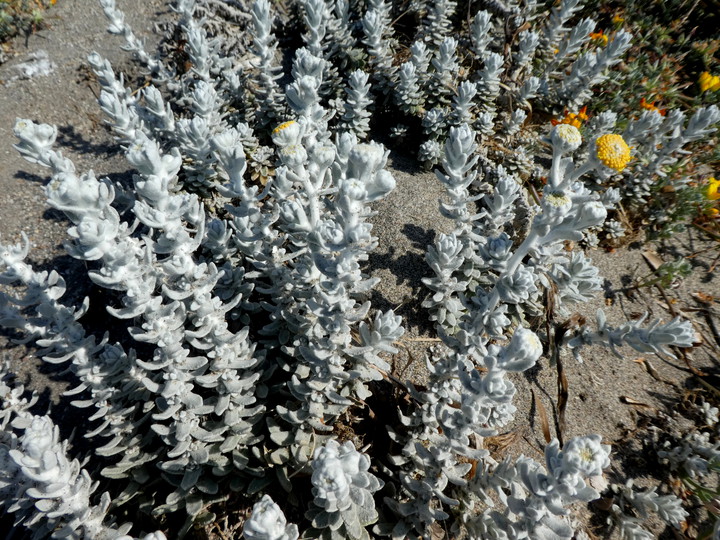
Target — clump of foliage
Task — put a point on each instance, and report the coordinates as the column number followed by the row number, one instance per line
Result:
column 246, row 356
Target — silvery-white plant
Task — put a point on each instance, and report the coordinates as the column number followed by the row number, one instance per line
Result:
column 357, row 105
column 267, row 90
column 267, row 522
column 436, row 23
column 172, row 301
column 379, row 42
column 444, row 76
column 657, row 338
column 483, row 282
column 409, row 94
column 460, row 405
column 44, row 488
column 343, row 488
column 494, row 282
column 632, row 507
column 481, row 33
column 691, row 458
column 249, row 332
column 536, row 497
column 659, row 143
column 193, row 300
column 694, row 455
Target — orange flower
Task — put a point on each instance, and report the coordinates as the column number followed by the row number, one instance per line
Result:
column 574, row 119
column 599, row 37
column 583, row 113
column 651, row 107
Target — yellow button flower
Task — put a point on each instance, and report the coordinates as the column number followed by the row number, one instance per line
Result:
column 711, row 191
column 708, row 82
column 613, row 151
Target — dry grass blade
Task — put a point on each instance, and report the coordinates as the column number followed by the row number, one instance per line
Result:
column 542, row 413
column 652, row 259
column 562, row 384
column 708, row 313
column 411, row 360
column 575, row 321
column 709, row 387
column 497, row 444
column 653, row 373
column 630, row 401
column 686, row 358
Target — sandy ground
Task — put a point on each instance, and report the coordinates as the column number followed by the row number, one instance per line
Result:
column 607, row 395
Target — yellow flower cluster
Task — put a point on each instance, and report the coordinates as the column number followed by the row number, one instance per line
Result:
column 708, row 82
column 712, row 193
column 712, row 189
column 613, row 151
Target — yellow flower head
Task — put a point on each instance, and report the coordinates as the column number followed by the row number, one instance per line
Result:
column 708, row 82
column 617, row 19
column 711, row 191
column 613, row 151
column 282, row 126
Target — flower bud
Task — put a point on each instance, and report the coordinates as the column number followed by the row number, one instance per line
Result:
column 287, row 133
column 294, row 216
column 267, row 522
column 382, row 184
column 293, row 155
column 353, row 189
column 591, row 213
column 522, row 352
column 365, row 160
column 566, row 138
column 323, row 156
